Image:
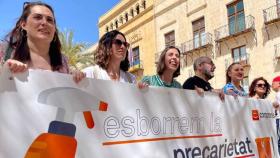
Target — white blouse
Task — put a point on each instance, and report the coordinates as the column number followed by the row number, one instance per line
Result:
column 98, row 73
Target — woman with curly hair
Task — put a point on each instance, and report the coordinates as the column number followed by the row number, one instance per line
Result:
column 111, row 59
column 259, row 88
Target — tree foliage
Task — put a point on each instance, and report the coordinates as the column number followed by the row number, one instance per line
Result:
column 73, row 50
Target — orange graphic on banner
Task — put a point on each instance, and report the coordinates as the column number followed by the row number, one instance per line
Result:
column 264, row 149
column 89, row 119
column 60, row 140
column 88, row 115
column 255, row 115
column 49, row 145
column 103, row 106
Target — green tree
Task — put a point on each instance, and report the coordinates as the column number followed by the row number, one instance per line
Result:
column 73, row 50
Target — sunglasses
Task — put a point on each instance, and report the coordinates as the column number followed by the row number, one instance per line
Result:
column 119, row 43
column 260, row 85
column 26, row 4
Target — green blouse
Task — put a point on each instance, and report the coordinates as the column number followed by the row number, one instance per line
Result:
column 156, row 81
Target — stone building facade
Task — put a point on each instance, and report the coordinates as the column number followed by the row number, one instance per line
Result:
column 134, row 18
column 246, row 31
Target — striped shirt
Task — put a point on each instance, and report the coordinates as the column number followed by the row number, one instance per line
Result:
column 156, row 81
column 230, row 86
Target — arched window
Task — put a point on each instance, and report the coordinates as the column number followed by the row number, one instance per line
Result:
column 112, row 26
column 144, row 4
column 121, row 20
column 116, row 24
column 132, row 12
column 126, row 17
column 107, row 29
column 137, row 9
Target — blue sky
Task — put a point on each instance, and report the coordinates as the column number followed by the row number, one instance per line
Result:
column 81, row 16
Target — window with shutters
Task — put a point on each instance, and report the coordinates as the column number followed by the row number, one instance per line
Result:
column 199, row 36
column 169, row 39
column 236, row 17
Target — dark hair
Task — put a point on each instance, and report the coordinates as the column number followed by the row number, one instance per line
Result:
column 102, row 54
column 228, row 78
column 161, row 62
column 17, row 39
column 252, row 91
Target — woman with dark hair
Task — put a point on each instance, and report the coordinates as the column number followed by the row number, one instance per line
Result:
column 234, row 76
column 111, row 59
column 168, row 68
column 34, row 43
column 259, row 88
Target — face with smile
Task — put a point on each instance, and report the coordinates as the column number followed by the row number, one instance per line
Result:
column 236, row 73
column 172, row 60
column 40, row 24
column 119, row 48
column 260, row 88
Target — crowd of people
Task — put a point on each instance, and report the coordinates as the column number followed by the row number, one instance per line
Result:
column 34, row 43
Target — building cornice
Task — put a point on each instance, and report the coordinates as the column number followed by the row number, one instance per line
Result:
column 137, row 17
column 197, row 9
column 166, row 9
column 139, row 25
column 168, row 24
column 118, row 9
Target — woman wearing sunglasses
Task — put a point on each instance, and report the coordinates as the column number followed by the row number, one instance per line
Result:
column 111, row 58
column 168, row 67
column 259, row 88
column 34, row 43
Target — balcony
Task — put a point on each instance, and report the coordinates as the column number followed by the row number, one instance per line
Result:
column 204, row 41
column 241, row 26
column 277, row 51
column 271, row 14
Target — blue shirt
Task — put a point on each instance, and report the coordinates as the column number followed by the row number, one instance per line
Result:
column 230, row 86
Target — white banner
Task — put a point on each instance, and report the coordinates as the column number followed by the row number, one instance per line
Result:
column 151, row 123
